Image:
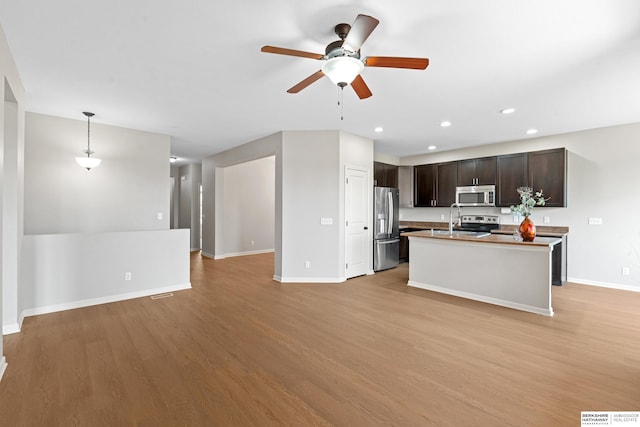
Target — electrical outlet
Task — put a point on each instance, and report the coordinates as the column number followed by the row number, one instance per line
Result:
column 127, row 275
column 442, row 217
column 253, row 243
column 625, row 271
column 307, row 264
column 546, row 220
column 159, row 215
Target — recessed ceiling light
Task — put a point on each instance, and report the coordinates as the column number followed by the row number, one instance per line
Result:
column 431, row 147
column 445, row 124
column 378, row 129
column 532, row 131
column 508, row 111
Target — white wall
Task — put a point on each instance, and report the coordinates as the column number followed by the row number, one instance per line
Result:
column 12, row 223
column 309, row 185
column 213, row 186
column 174, row 204
column 310, row 190
column 249, row 207
column 64, row 271
column 189, row 181
column 85, row 229
column 602, row 182
column 11, row 185
column 125, row 193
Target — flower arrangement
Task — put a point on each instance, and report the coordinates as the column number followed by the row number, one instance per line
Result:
column 528, row 200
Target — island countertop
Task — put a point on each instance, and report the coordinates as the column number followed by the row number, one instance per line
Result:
column 487, row 238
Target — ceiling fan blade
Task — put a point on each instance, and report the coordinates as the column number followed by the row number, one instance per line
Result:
column 397, row 62
column 291, row 52
column 361, row 88
column 306, row 82
column 360, row 31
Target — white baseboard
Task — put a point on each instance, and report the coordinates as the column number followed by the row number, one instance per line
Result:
column 309, row 279
column 102, row 300
column 10, row 329
column 3, row 366
column 207, row 255
column 482, row 298
column 235, row 254
column 603, row 284
column 13, row 328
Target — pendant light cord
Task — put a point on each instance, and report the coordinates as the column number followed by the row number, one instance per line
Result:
column 89, row 115
column 88, row 136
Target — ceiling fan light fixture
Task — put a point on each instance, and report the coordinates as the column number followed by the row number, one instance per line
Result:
column 342, row 70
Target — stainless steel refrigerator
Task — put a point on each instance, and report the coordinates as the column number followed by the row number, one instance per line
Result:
column 386, row 233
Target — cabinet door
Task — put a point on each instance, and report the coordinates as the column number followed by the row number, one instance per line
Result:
column 385, row 175
column 477, row 171
column 547, row 171
column 467, row 172
column 512, row 173
column 424, row 185
column 447, row 179
column 404, row 249
column 378, row 174
column 391, row 176
column 405, row 185
column 485, row 171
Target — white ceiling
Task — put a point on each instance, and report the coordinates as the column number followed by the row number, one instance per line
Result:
column 193, row 69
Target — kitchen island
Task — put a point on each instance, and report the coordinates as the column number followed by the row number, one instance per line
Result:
column 492, row 268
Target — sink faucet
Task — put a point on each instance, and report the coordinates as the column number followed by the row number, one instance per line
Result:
column 451, row 216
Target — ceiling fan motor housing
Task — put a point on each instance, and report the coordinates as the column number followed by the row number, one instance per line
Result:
column 335, row 49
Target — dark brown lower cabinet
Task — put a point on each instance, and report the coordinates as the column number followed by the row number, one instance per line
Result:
column 559, row 263
column 404, row 249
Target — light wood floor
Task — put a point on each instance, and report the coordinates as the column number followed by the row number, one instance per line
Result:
column 239, row 349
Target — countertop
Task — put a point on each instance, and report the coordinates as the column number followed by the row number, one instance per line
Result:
column 541, row 230
column 492, row 238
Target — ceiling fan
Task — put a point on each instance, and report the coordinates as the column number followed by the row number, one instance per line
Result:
column 342, row 62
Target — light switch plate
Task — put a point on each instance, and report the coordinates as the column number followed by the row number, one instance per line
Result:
column 326, row 221
column 595, row 221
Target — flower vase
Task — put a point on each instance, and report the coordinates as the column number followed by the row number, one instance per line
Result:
column 527, row 229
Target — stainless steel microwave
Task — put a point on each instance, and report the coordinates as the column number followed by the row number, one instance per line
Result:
column 476, row 195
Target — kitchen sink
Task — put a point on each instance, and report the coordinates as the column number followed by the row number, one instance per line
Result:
column 456, row 233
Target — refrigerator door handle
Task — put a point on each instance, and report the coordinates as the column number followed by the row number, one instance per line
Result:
column 390, row 225
column 387, row 242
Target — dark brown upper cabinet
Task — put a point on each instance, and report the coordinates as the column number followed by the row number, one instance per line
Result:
column 385, row 175
column 477, row 171
column 435, row 184
column 548, row 172
column 446, row 180
column 513, row 172
column 424, row 185
column 544, row 170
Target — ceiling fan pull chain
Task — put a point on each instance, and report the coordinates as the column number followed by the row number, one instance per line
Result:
column 341, row 101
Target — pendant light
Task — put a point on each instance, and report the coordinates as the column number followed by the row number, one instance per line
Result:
column 88, row 162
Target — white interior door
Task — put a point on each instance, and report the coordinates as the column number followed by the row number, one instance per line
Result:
column 357, row 222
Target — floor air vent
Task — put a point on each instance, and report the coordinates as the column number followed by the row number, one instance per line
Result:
column 167, row 295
